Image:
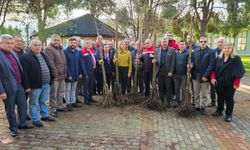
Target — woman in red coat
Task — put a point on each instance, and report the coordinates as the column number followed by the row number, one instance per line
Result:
column 226, row 77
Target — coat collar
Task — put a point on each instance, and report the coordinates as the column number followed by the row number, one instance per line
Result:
column 5, row 59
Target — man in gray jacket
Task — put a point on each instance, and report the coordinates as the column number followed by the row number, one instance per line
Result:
column 57, row 63
column 165, row 63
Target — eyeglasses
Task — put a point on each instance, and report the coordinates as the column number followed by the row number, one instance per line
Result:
column 203, row 41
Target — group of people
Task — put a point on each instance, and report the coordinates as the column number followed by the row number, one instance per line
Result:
column 31, row 77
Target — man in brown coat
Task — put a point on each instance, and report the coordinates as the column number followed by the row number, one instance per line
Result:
column 57, row 62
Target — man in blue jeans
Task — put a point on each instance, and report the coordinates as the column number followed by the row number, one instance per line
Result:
column 11, row 89
column 36, row 78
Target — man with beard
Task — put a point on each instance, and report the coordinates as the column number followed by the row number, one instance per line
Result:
column 72, row 72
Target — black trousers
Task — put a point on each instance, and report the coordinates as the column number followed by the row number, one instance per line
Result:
column 147, row 81
column 99, row 82
column 212, row 93
column 226, row 94
column 79, row 87
column 140, row 83
column 123, row 78
column 165, row 86
column 16, row 99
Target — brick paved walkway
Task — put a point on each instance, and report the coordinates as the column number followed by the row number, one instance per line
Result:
column 132, row 128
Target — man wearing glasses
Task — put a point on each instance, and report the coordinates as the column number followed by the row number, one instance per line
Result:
column 202, row 66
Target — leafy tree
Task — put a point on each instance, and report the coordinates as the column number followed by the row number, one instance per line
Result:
column 42, row 10
column 10, row 30
column 4, row 9
column 238, row 16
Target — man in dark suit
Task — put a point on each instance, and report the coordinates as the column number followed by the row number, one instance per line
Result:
column 11, row 89
column 202, row 62
column 165, row 64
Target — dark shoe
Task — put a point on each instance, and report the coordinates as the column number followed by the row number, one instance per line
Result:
column 37, row 124
column 54, row 114
column 78, row 101
column 48, row 119
column 212, row 104
column 77, row 105
column 217, row 114
column 70, row 106
column 198, row 109
column 93, row 101
column 87, row 102
column 14, row 133
column 28, row 117
column 62, row 110
column 204, row 111
column 26, row 127
column 228, row 118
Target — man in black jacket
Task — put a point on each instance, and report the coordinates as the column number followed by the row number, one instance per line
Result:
column 36, row 79
column 220, row 45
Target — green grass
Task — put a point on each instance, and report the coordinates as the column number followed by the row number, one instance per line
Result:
column 246, row 62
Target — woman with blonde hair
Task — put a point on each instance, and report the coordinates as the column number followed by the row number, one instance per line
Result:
column 226, row 77
column 124, row 65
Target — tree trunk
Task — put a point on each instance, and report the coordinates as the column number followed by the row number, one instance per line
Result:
column 203, row 24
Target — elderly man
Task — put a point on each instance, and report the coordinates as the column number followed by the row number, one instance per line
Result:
column 220, row 45
column 137, row 63
column 18, row 46
column 57, row 62
column 165, row 64
column 202, row 62
column 88, row 65
column 11, row 89
column 36, row 77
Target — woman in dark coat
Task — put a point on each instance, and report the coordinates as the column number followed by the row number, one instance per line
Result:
column 226, row 77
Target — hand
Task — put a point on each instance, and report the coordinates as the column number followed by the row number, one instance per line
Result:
column 28, row 90
column 189, row 66
column 204, row 79
column 214, row 82
column 129, row 75
column 154, row 61
column 115, row 60
column 70, row 78
column 170, row 74
column 3, row 96
column 55, row 79
column 80, row 76
column 236, row 87
column 100, row 62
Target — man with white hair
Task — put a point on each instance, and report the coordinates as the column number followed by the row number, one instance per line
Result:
column 11, row 89
column 220, row 45
column 57, row 62
column 36, row 79
column 87, row 66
